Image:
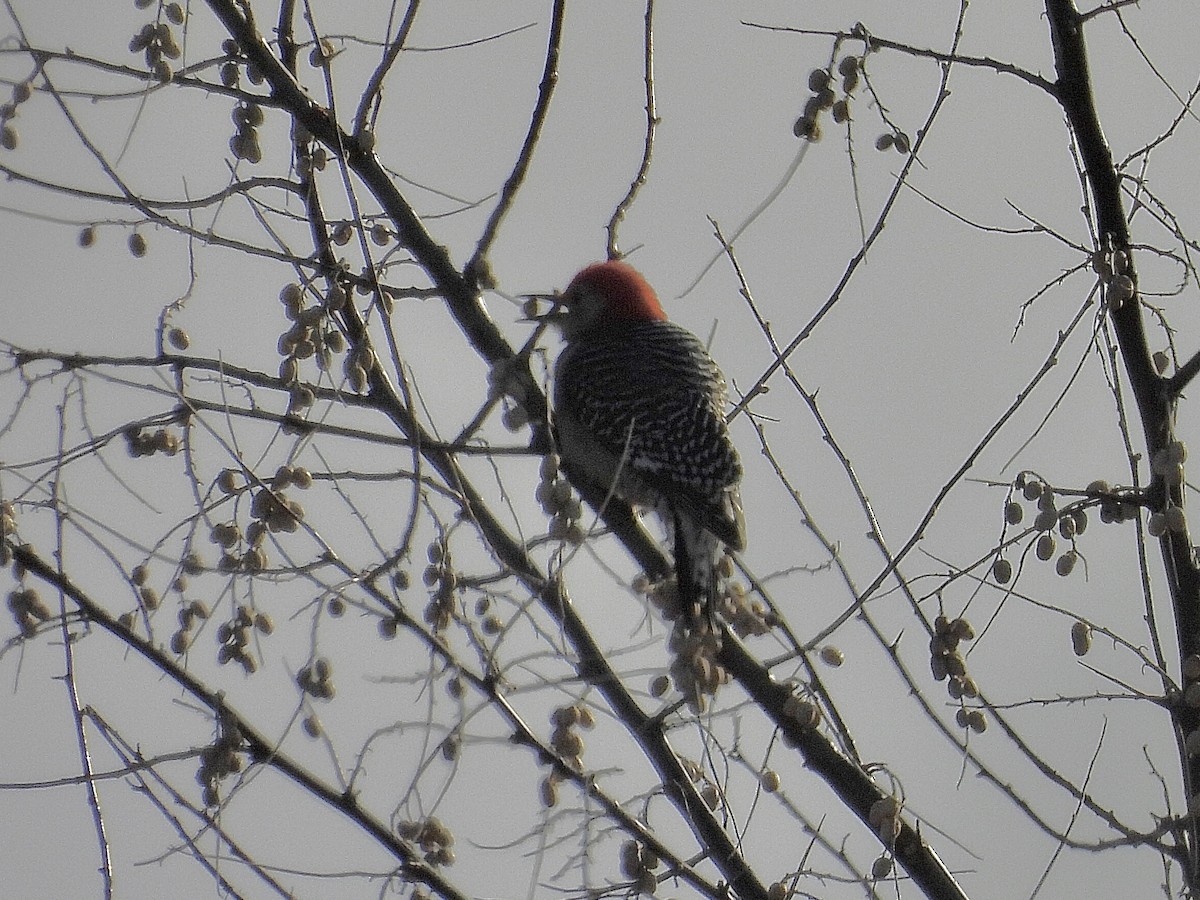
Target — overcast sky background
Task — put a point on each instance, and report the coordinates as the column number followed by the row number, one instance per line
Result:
column 913, row 365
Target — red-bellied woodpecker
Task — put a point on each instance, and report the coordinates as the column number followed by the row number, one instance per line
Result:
column 639, row 410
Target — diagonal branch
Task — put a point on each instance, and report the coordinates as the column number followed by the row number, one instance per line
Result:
column 259, row 747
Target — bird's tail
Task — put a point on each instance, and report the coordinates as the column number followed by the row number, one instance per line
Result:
column 696, row 554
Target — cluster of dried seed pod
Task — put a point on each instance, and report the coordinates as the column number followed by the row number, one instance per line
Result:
column 893, row 140
column 1116, row 504
column 1172, row 518
column 1069, row 523
column 230, row 72
column 311, row 159
column 803, row 711
column 189, row 615
column 1167, row 463
column 490, row 623
column 273, row 508
column 695, row 671
column 664, row 594
column 21, row 92
column 435, row 839
column 234, row 637
column 974, row 719
column 708, row 791
column 316, row 680
column 147, row 595
column 272, row 512
column 157, row 41
column 745, row 615
column 312, row 335
column 227, row 535
column 566, row 740
column 823, row 97
column 945, row 660
column 1115, row 271
column 441, row 578
column 638, row 863
column 342, row 233
column 247, row 116
column 28, row 610
column 142, row 443
column 291, row 476
column 357, row 367
column 559, row 502
column 221, row 758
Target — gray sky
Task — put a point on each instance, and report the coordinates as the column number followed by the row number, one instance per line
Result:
column 911, row 367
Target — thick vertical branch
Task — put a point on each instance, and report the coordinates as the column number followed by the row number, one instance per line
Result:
column 1151, row 392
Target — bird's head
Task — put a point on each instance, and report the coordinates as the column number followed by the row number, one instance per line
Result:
column 603, row 295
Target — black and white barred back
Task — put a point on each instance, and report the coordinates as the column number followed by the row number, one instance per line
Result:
column 640, row 405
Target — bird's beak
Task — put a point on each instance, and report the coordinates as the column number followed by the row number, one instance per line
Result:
column 556, row 313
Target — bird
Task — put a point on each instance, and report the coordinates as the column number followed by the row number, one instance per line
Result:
column 638, row 411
